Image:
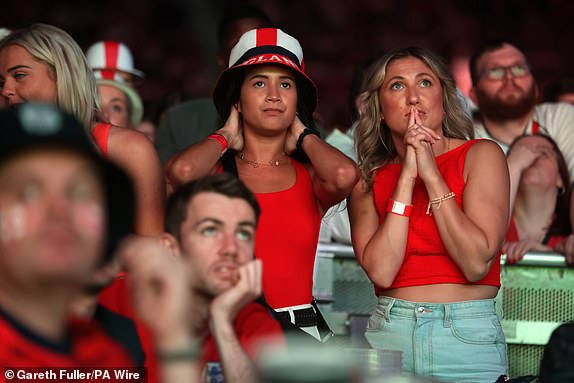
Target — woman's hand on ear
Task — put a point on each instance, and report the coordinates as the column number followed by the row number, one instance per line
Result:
column 233, row 131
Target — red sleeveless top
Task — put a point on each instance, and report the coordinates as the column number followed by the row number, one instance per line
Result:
column 100, row 133
column 426, row 259
column 286, row 241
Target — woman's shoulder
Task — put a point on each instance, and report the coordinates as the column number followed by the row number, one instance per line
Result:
column 131, row 137
column 485, row 147
column 482, row 146
column 484, row 154
column 124, row 142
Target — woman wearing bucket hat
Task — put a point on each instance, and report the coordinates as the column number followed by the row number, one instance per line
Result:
column 267, row 101
column 43, row 63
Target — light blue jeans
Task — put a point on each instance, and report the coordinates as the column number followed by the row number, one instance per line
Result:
column 454, row 342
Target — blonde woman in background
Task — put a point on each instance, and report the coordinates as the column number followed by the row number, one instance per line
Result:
column 43, row 63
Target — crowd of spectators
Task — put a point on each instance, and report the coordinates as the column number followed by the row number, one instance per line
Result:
column 174, row 41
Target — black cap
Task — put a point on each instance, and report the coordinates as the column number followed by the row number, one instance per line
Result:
column 31, row 125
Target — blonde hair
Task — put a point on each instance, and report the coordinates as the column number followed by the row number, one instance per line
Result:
column 75, row 82
column 373, row 140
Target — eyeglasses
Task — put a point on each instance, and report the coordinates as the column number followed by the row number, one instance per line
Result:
column 499, row 72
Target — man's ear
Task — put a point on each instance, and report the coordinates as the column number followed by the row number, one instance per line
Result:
column 169, row 242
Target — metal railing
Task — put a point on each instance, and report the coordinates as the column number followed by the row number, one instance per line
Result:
column 537, row 295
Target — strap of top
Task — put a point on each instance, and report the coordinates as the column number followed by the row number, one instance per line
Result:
column 100, row 133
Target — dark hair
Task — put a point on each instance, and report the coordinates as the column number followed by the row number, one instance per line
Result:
column 490, row 46
column 561, row 223
column 235, row 14
column 223, row 183
column 558, row 87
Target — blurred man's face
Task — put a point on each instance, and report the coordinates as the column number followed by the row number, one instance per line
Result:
column 52, row 220
column 505, row 89
column 217, row 238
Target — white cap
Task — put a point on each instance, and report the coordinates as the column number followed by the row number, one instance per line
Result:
column 112, row 55
column 4, row 32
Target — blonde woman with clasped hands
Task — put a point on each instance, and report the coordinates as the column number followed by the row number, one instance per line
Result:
column 427, row 221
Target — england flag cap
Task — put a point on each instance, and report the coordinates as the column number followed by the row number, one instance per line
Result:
column 112, row 55
column 261, row 47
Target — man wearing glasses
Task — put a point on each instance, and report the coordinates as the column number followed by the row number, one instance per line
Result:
column 506, row 94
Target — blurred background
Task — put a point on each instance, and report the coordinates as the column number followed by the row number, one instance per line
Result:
column 174, row 41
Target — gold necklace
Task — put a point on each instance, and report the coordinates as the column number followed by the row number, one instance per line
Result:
column 256, row 164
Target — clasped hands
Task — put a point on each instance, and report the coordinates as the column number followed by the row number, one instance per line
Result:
column 419, row 159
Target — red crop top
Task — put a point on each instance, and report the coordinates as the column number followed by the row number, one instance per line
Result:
column 426, row 259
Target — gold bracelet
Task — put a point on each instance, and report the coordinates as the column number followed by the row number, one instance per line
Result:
column 439, row 201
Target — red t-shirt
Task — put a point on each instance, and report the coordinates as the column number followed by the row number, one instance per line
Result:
column 254, row 326
column 426, row 259
column 89, row 346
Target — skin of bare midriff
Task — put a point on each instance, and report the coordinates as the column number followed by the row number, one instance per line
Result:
column 442, row 293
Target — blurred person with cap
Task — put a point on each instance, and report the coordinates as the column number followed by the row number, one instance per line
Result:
column 43, row 63
column 268, row 141
column 64, row 212
column 192, row 121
